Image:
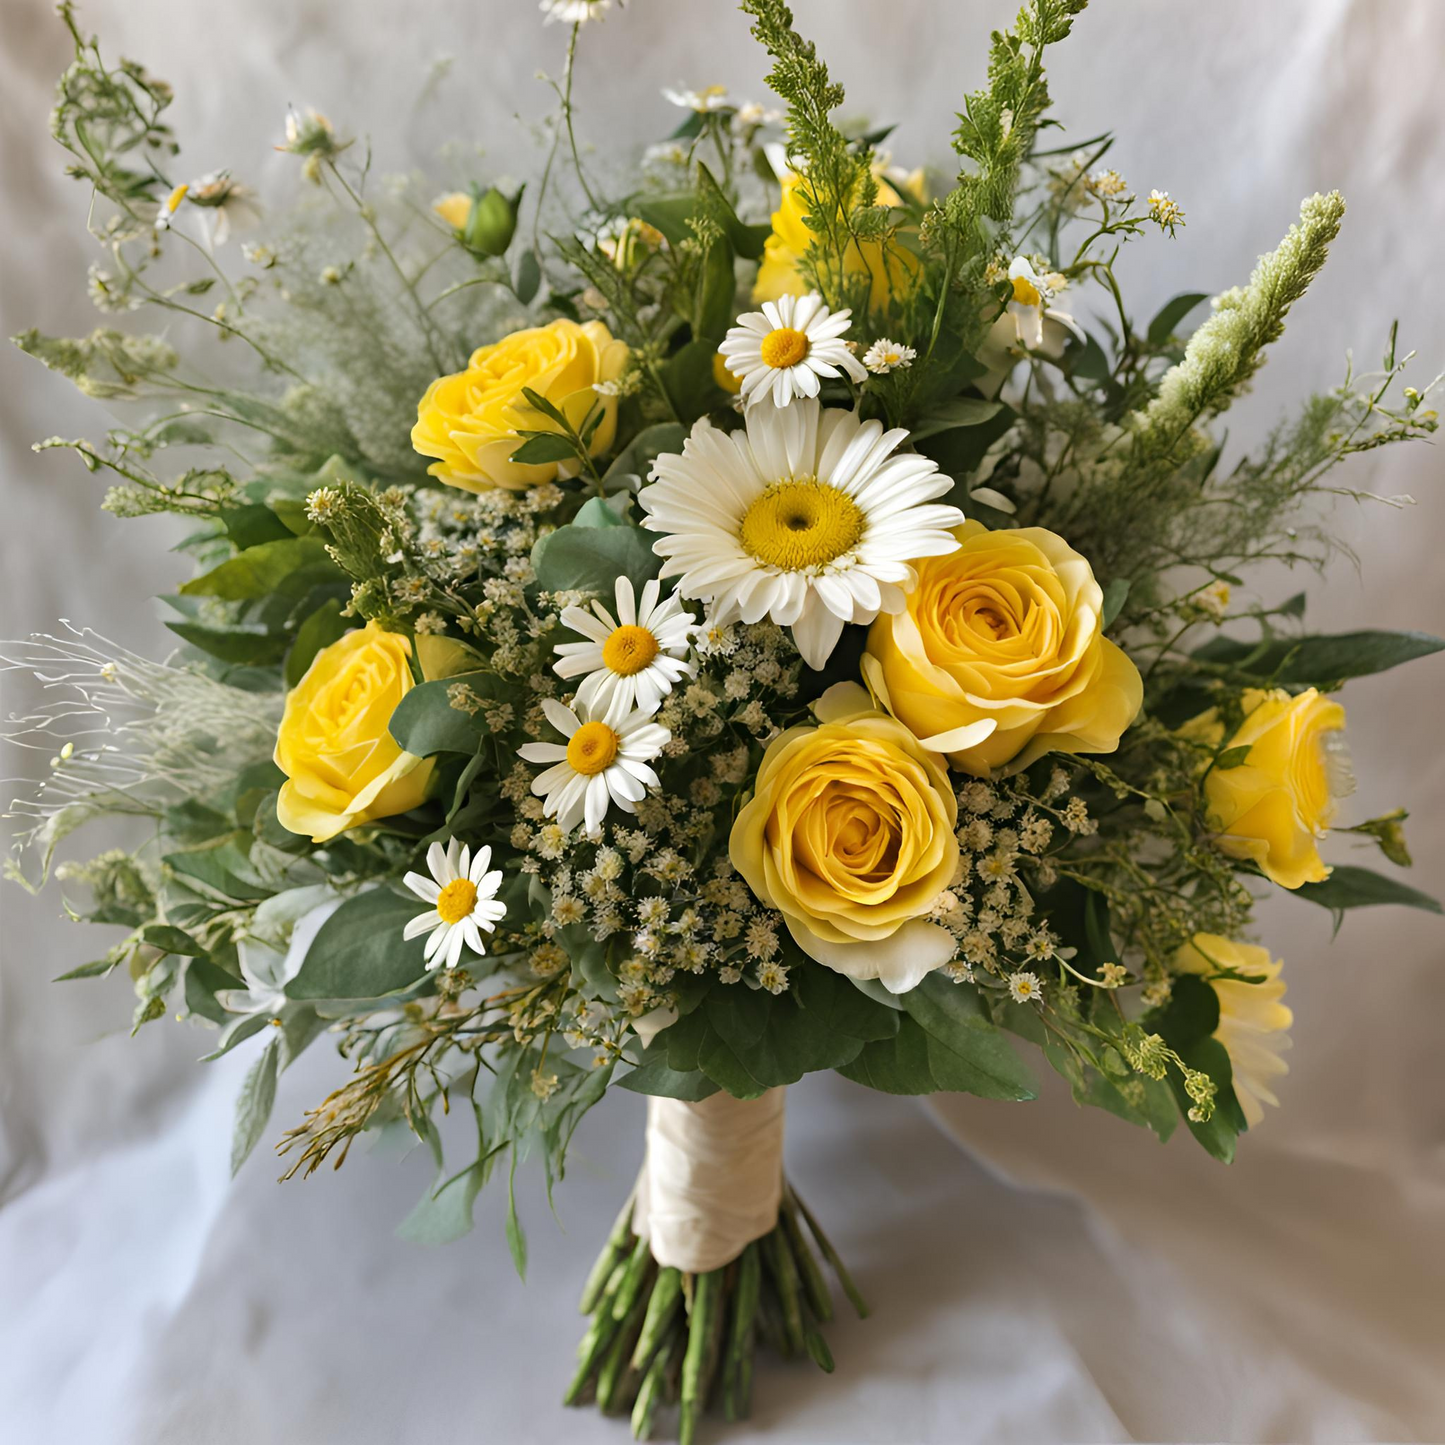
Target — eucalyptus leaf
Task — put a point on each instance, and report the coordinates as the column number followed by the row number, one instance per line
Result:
column 590, row 559
column 359, row 952
column 253, row 1105
column 654, row 1076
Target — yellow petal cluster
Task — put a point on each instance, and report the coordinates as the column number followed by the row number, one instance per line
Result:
column 780, row 272
column 1274, row 807
column 342, row 765
column 849, row 834
column 1000, row 657
column 470, row 421
column 1252, row 1017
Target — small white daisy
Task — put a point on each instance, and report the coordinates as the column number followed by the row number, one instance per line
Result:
column 573, row 12
column 805, row 516
column 604, row 760
column 885, row 356
column 1025, row 987
column 783, row 350
column 1029, row 306
column 462, row 895
column 632, row 661
column 709, row 98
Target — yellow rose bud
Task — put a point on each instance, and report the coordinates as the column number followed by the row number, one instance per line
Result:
column 343, row 768
column 1252, row 1018
column 455, row 209
column 999, row 655
column 1273, row 808
column 780, row 273
column 849, row 834
column 724, row 378
column 470, row 421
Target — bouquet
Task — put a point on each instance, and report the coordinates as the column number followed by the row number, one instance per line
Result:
column 681, row 625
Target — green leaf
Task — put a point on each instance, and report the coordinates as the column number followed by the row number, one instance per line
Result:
column 687, row 378
column 240, row 646
column 545, row 447
column 323, row 627
column 654, row 1076
column 172, row 940
column 223, row 869
column 590, row 559
column 748, row 1041
column 444, row 1213
column 259, row 570
column 526, row 276
column 964, row 411
column 945, row 1043
column 359, row 952
column 425, row 723
column 96, row 969
column 1187, row 1023
column 1167, row 318
column 1232, row 758
column 1115, row 596
column 253, row 1105
column 1320, row 661
column 1350, row 886
column 636, row 458
column 516, row 1235
column 252, row 524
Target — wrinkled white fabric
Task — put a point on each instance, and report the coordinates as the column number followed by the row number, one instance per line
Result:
column 1056, row 1278
column 711, row 1179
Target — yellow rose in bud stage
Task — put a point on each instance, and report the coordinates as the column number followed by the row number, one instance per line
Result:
column 343, row 768
column 849, row 834
column 780, row 272
column 1274, row 807
column 1000, row 657
column 1252, row 1018
column 724, row 378
column 470, row 421
column 455, row 209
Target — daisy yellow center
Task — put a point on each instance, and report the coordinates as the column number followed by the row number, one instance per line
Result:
column 796, row 525
column 591, row 748
column 784, row 347
column 457, row 900
column 629, row 650
column 1025, row 292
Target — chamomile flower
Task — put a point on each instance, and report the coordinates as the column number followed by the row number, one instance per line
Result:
column 709, row 98
column 633, row 660
column 1024, row 987
column 462, row 895
column 885, row 356
column 227, row 204
column 604, row 761
column 806, row 516
column 785, row 349
column 1029, row 306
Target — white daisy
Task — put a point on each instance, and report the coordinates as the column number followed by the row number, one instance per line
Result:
column 709, row 98
column 605, row 759
column 885, row 356
column 1025, row 987
column 632, row 661
column 806, row 517
column 462, row 895
column 786, row 347
column 1029, row 306
column 573, row 12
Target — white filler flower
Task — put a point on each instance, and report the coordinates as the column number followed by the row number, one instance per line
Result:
column 633, row 660
column 462, row 895
column 807, row 517
column 785, row 349
column 573, row 12
column 604, row 760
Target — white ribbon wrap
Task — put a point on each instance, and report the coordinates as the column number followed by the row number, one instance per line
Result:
column 711, row 1179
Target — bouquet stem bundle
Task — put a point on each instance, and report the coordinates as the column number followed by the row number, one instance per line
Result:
column 661, row 1336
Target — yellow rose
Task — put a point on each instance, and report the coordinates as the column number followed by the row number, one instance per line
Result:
column 1279, row 802
column 849, row 835
column 342, row 766
column 1000, row 657
column 470, row 421
column 779, row 274
column 1252, row 1020
column 455, row 209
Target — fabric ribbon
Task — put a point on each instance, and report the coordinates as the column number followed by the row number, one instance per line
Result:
column 711, row 1179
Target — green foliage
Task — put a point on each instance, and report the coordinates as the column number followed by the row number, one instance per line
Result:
column 359, row 952
column 1350, row 886
column 254, row 1104
column 1325, row 662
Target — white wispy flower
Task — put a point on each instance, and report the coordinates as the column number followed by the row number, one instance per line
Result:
column 633, row 660
column 462, row 894
column 574, row 12
column 227, row 204
column 785, row 349
column 806, row 516
column 604, row 761
column 885, row 356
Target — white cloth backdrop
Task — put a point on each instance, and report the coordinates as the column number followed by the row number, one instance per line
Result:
column 1038, row 1274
